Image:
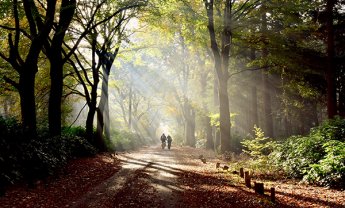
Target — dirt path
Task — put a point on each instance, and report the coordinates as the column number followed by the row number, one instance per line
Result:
column 147, row 176
column 152, row 177
column 156, row 178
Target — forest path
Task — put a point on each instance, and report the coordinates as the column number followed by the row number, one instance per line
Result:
column 148, row 178
column 152, row 177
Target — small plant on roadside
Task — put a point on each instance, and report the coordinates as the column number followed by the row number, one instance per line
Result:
column 259, row 150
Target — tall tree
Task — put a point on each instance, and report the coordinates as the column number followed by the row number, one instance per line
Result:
column 266, row 88
column 229, row 14
column 39, row 26
column 102, row 29
column 57, row 61
column 330, row 72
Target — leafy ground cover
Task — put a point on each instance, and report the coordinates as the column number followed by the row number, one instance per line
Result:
column 78, row 177
column 153, row 177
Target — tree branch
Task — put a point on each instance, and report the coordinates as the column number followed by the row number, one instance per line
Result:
column 89, row 28
column 11, row 82
column 78, row 115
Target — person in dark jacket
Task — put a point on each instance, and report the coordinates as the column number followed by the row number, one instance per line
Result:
column 163, row 139
column 169, row 141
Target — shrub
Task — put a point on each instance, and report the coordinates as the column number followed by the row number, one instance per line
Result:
column 259, row 150
column 298, row 152
column 23, row 159
column 317, row 158
column 329, row 171
column 333, row 129
column 79, row 146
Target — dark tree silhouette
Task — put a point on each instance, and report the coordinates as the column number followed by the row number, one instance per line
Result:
column 39, row 26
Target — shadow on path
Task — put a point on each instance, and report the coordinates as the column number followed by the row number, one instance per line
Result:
column 153, row 177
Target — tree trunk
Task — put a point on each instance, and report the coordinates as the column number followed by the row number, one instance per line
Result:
column 89, row 123
column 287, row 126
column 189, row 125
column 224, row 116
column 106, row 60
column 104, row 105
column 206, row 119
column 56, row 80
column 216, row 134
column 255, row 118
column 27, row 100
column 56, row 66
column 92, row 110
column 268, row 118
column 208, row 129
column 221, row 59
column 342, row 97
column 330, row 72
column 254, row 97
column 100, row 126
column 130, row 114
column 215, row 90
column 92, row 103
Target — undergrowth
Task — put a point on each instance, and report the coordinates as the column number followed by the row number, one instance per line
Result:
column 318, row 158
column 23, row 159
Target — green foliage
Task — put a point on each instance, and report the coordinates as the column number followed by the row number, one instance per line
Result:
column 333, row 129
column 259, row 150
column 317, row 158
column 330, row 170
column 298, row 152
column 24, row 159
column 78, row 144
column 259, row 146
column 214, row 120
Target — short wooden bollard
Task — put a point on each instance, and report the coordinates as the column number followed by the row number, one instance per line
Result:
column 273, row 194
column 247, row 179
column 259, row 188
column 241, row 172
column 217, row 165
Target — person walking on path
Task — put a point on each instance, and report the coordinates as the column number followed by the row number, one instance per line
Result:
column 163, row 139
column 169, row 141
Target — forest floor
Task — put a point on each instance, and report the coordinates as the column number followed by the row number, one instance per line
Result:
column 152, row 177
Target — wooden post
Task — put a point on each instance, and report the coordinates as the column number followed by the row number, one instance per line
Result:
column 217, row 165
column 259, row 188
column 247, row 179
column 241, row 172
column 273, row 194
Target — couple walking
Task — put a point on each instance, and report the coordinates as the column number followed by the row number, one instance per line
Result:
column 165, row 139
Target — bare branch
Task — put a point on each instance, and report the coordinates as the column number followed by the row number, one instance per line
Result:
column 78, row 115
column 89, row 28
